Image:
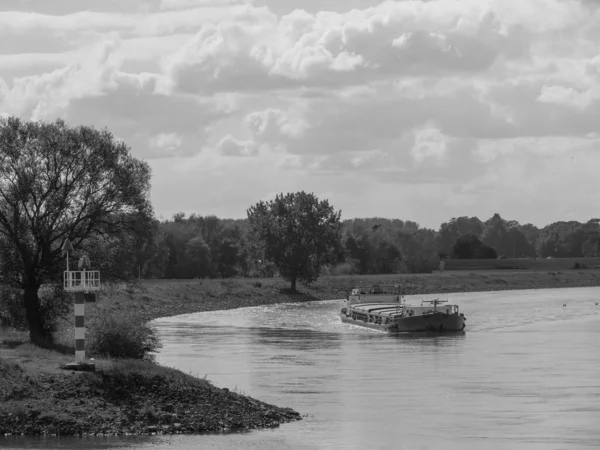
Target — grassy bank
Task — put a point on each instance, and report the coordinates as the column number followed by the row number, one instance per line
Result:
column 161, row 298
column 537, row 264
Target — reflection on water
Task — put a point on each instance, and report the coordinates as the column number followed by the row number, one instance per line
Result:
column 83, row 443
column 525, row 375
column 295, row 340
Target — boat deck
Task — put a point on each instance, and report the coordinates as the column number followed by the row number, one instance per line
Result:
column 385, row 309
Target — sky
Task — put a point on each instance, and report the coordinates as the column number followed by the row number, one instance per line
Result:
column 417, row 110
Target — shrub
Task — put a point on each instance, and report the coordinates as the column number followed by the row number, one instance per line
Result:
column 119, row 335
column 54, row 305
column 12, row 312
column 346, row 268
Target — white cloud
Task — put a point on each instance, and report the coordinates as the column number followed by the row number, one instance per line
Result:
column 229, row 146
column 433, row 96
column 47, row 95
column 169, row 143
column 430, row 143
column 185, row 4
column 568, row 96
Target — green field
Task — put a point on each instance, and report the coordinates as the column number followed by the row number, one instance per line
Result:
column 540, row 264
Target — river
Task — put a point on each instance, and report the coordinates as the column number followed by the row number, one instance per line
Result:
column 525, row 375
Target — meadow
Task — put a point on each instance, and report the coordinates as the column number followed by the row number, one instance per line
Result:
column 548, row 264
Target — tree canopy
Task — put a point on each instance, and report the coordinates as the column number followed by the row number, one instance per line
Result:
column 469, row 247
column 59, row 182
column 300, row 234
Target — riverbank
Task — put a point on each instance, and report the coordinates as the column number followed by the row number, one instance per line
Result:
column 152, row 299
column 121, row 398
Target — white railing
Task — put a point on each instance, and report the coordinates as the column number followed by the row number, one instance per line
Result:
column 82, row 280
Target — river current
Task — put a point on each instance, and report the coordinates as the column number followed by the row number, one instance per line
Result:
column 525, row 375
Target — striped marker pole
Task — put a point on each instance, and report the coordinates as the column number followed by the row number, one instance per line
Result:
column 79, row 326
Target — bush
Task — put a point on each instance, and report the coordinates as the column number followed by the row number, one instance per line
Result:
column 346, row 268
column 54, row 304
column 12, row 312
column 119, row 335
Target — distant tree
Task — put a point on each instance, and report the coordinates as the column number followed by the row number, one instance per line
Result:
column 564, row 239
column 419, row 251
column 515, row 243
column 495, row 235
column 456, row 227
column 199, row 257
column 359, row 251
column 591, row 247
column 531, row 233
column 469, row 247
column 57, row 183
column 300, row 234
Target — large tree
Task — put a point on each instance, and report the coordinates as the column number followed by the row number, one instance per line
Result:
column 300, row 234
column 59, row 182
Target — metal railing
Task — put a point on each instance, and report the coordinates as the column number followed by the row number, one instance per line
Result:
column 82, row 280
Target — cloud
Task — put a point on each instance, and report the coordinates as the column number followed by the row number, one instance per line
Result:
column 430, row 143
column 229, row 146
column 169, row 143
column 324, row 49
column 568, row 96
column 457, row 103
column 186, row 4
column 47, row 95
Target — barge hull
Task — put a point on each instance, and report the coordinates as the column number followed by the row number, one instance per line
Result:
column 430, row 322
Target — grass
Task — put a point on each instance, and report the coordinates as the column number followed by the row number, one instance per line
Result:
column 125, row 368
column 523, row 264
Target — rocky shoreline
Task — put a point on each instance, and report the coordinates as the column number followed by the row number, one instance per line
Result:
column 132, row 403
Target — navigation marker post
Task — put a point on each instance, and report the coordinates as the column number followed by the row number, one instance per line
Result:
column 83, row 283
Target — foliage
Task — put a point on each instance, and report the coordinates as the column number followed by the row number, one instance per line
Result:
column 469, row 247
column 300, row 234
column 419, row 251
column 568, row 239
column 54, row 304
column 12, row 310
column 506, row 237
column 117, row 335
column 370, row 245
column 456, row 227
column 58, row 183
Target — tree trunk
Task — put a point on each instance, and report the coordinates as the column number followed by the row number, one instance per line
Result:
column 293, row 285
column 38, row 333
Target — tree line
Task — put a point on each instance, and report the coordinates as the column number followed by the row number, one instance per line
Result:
column 206, row 246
